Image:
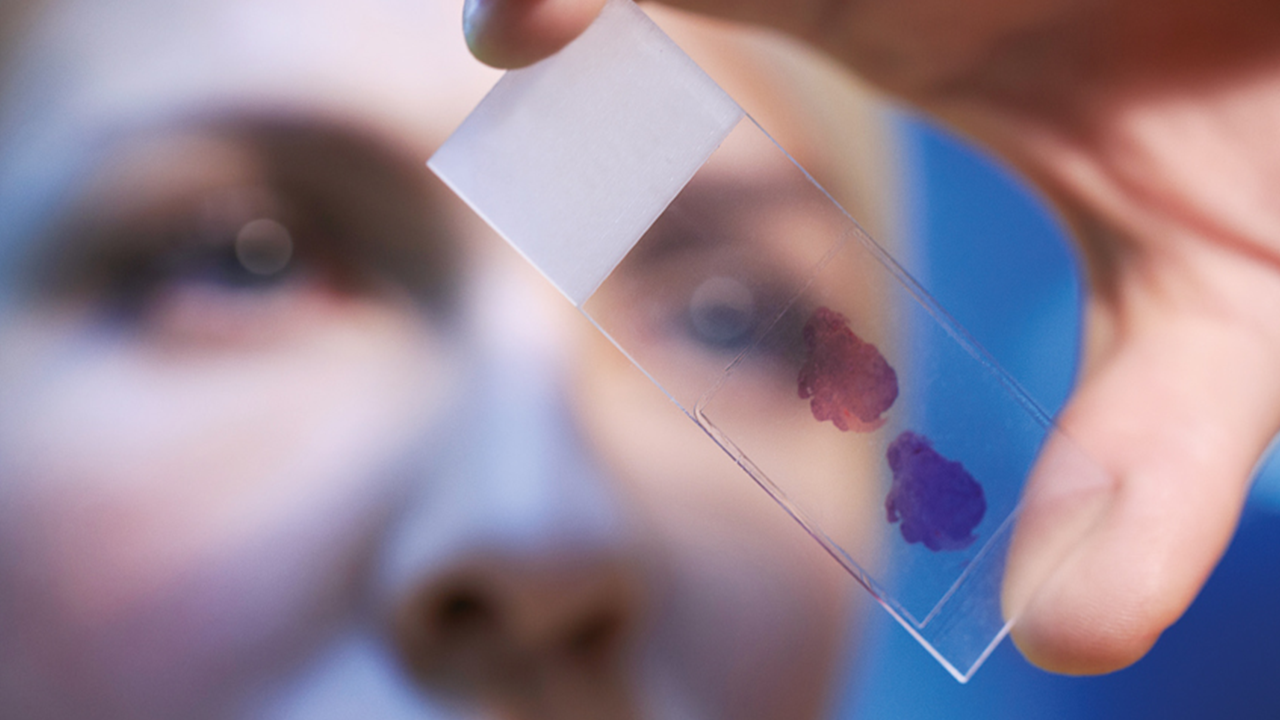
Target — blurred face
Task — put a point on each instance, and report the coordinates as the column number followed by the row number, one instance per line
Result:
column 286, row 433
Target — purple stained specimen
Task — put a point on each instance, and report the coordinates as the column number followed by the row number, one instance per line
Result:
column 849, row 381
column 937, row 500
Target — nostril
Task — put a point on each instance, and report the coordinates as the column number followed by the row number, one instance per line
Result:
column 528, row 635
column 452, row 636
column 463, row 611
column 595, row 642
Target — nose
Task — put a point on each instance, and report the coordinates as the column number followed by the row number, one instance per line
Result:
column 541, row 640
column 514, row 575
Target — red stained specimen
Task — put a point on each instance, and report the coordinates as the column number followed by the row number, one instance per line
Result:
column 849, row 381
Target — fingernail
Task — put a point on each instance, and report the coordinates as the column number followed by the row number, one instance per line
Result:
column 473, row 14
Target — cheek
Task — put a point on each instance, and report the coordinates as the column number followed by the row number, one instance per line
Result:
column 155, row 497
column 754, row 614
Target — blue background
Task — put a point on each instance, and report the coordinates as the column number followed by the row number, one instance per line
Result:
column 995, row 258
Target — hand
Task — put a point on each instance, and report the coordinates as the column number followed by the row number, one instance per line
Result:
column 1154, row 127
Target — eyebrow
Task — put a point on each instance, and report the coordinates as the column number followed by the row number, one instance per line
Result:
column 373, row 193
column 354, row 189
column 711, row 213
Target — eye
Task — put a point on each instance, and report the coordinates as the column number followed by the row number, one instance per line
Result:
column 728, row 316
column 723, row 314
column 257, row 256
column 263, row 247
column 136, row 262
column 199, row 265
column 189, row 275
column 249, row 204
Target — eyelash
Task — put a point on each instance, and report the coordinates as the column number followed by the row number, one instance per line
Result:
column 141, row 264
column 361, row 216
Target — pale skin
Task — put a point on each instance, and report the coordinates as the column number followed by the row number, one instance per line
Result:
column 401, row 477
column 1151, row 126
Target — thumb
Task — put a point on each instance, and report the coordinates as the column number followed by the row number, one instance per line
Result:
column 515, row 33
column 1173, row 418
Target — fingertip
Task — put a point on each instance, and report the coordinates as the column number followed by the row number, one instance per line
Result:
column 1075, row 626
column 1125, row 518
column 1104, row 561
column 1080, row 654
column 517, row 33
column 1067, row 499
column 1103, row 606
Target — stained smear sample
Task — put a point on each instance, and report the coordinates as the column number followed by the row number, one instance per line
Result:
column 937, row 500
column 849, row 381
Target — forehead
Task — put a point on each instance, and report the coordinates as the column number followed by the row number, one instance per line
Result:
column 84, row 72
column 396, row 63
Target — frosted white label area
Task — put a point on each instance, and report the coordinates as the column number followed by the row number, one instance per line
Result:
column 572, row 159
